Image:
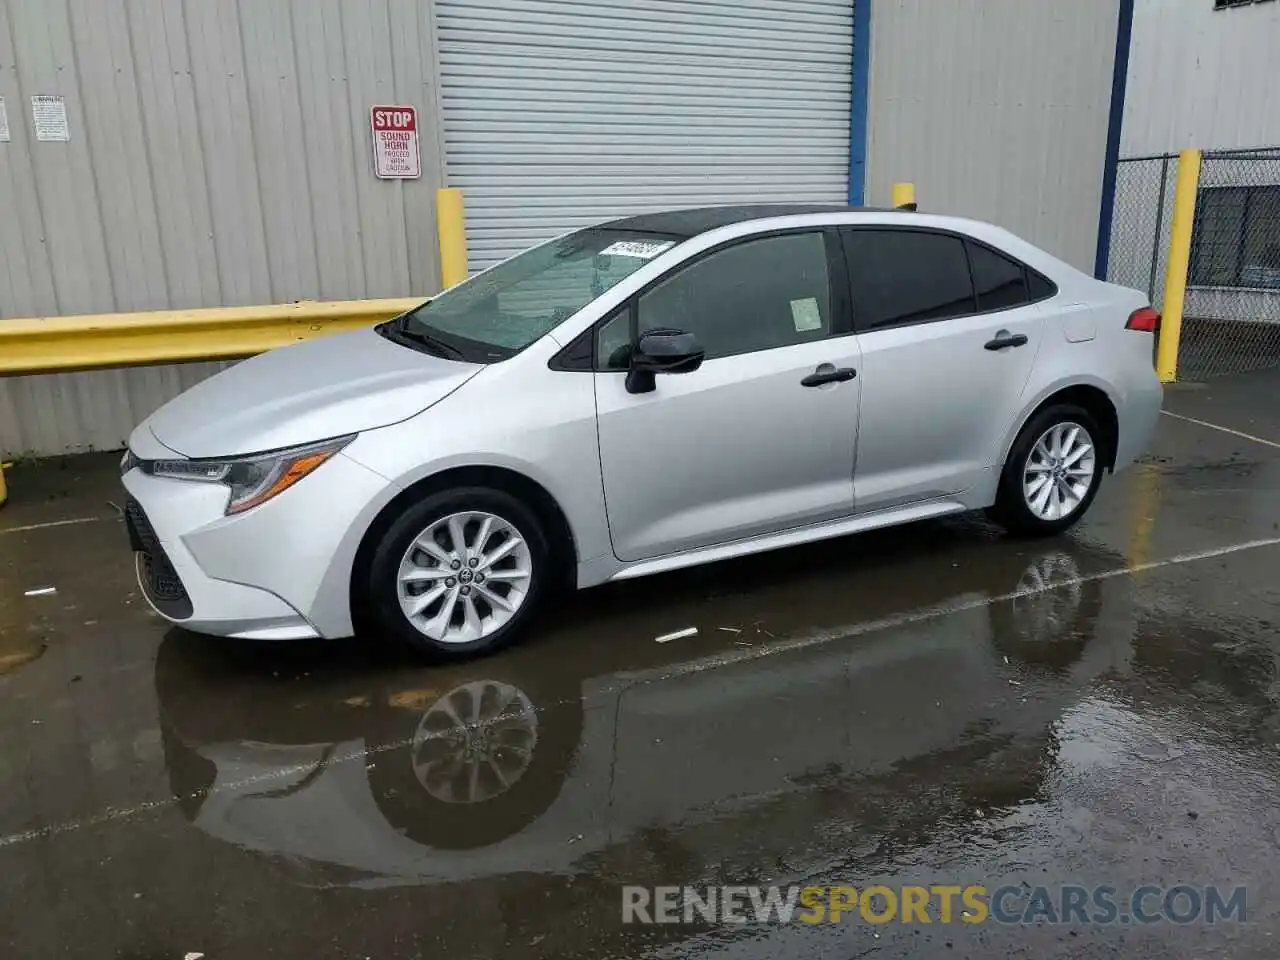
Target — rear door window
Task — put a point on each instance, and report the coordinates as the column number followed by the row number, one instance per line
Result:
column 901, row 277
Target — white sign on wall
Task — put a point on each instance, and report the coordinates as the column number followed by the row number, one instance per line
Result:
column 4, row 123
column 50, row 116
column 395, row 143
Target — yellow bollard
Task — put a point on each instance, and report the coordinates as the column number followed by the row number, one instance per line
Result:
column 452, row 224
column 4, row 491
column 1175, row 278
column 904, row 196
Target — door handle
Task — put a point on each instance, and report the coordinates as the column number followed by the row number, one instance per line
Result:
column 1005, row 339
column 828, row 374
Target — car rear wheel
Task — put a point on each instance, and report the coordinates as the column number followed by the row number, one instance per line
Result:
column 1052, row 474
column 458, row 573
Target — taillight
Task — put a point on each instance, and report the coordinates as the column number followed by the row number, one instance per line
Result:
column 1146, row 320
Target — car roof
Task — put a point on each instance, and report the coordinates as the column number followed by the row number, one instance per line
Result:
column 696, row 220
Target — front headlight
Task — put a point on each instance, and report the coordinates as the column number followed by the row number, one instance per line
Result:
column 254, row 479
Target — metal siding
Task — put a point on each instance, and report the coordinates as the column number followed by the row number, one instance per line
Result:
column 562, row 113
column 365, row 35
column 166, row 94
column 110, row 117
column 28, row 274
column 219, row 155
column 1200, row 77
column 282, row 160
column 995, row 109
column 334, row 157
column 63, row 176
column 222, row 110
column 414, row 76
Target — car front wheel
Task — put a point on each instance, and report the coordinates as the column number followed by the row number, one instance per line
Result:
column 458, row 573
column 1052, row 474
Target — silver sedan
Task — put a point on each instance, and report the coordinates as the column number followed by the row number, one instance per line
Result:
column 648, row 394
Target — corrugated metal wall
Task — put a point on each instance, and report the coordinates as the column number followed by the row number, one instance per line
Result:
column 219, row 155
column 996, row 109
column 1200, row 77
column 562, row 113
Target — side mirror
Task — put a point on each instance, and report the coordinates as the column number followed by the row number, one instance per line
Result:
column 662, row 351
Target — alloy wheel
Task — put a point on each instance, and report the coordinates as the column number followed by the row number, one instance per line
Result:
column 1059, row 471
column 464, row 577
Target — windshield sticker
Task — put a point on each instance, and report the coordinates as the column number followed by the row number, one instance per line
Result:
column 640, row 249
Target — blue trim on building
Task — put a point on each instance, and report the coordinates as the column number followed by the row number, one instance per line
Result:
column 1120, row 77
column 858, row 100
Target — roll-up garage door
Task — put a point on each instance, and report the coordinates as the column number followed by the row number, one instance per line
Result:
column 562, row 113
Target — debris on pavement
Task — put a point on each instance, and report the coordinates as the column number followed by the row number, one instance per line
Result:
column 40, row 591
column 678, row 635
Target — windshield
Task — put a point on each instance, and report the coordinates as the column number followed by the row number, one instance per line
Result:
column 500, row 312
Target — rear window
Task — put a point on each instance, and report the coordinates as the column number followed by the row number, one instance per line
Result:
column 999, row 282
column 1040, row 288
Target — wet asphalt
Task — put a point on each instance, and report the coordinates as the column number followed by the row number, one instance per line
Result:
column 935, row 704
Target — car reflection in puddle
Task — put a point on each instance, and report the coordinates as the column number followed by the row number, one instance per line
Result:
column 474, row 743
column 883, row 688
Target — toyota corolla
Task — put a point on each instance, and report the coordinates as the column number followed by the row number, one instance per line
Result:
column 640, row 396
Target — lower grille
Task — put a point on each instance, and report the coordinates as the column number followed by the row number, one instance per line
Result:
column 158, row 577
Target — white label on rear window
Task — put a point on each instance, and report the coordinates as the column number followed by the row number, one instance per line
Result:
column 640, row 249
column 805, row 314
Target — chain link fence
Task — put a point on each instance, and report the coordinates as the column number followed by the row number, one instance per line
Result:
column 1231, row 317
column 1231, row 321
column 1141, row 223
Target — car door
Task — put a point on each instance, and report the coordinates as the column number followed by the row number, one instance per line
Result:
column 949, row 335
column 741, row 446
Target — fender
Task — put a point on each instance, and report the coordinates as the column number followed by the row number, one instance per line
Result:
column 1037, row 400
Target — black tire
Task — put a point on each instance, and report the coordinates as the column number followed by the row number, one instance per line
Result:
column 380, row 596
column 1011, row 510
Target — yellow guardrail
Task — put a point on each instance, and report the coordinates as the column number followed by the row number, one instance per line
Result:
column 99, row 341
column 62, row 344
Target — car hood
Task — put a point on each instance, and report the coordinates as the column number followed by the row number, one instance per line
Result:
column 321, row 388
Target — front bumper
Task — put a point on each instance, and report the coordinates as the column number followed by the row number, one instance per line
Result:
column 159, row 581
column 255, row 575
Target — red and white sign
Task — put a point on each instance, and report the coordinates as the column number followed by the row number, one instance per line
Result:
column 395, row 143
